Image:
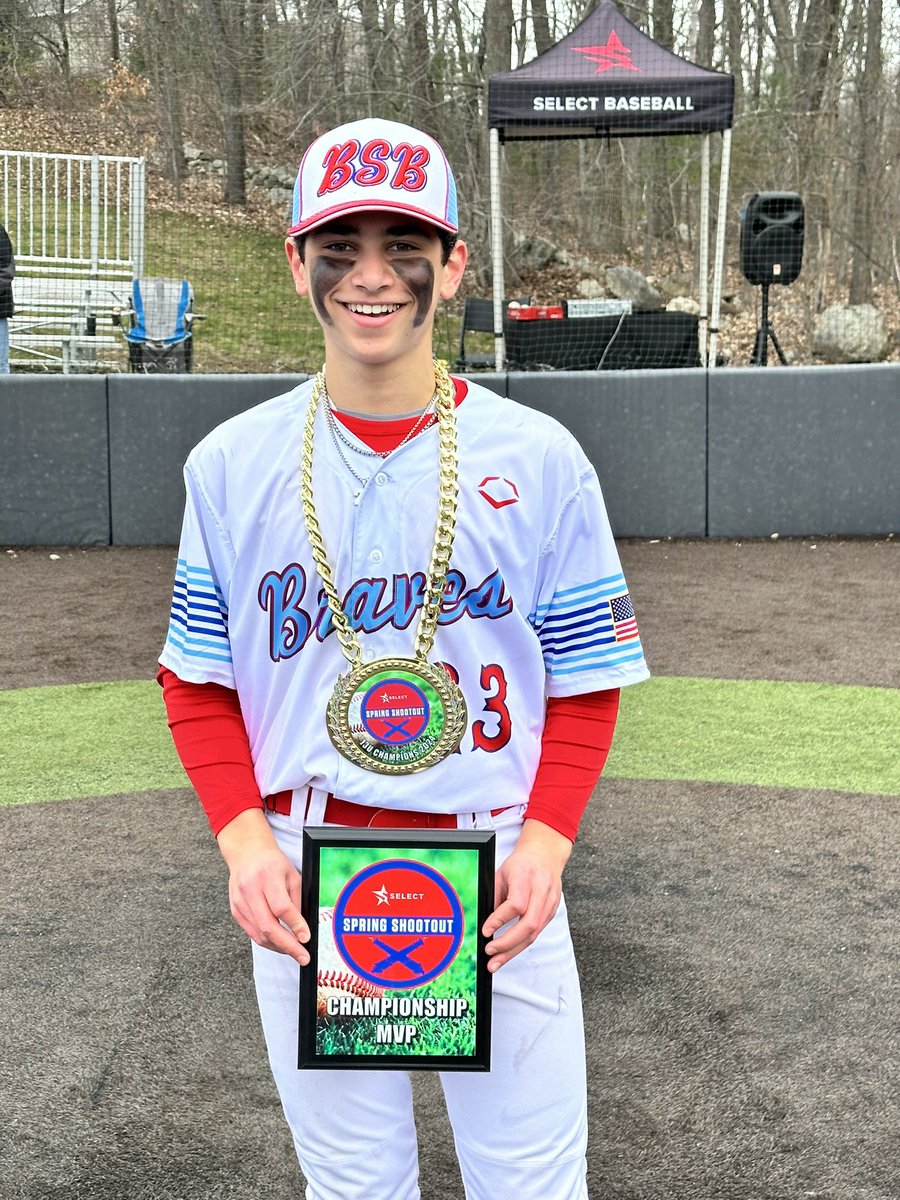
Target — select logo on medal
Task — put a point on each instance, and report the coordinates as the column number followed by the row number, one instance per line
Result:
column 395, row 712
column 398, row 924
column 395, row 717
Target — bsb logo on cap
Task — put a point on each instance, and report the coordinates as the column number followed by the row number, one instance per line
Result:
column 374, row 165
column 371, row 164
column 398, row 924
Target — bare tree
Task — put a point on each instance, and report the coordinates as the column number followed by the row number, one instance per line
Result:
column 540, row 20
column 377, row 47
column 496, row 37
column 868, row 166
column 418, row 62
column 55, row 43
column 163, row 40
column 223, row 37
column 112, row 19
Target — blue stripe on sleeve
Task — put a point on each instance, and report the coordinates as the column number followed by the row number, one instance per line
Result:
column 577, row 631
column 198, row 621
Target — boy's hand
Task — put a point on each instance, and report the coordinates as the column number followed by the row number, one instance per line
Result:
column 263, row 886
column 528, row 886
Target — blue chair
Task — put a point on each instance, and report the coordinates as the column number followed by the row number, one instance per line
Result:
column 159, row 333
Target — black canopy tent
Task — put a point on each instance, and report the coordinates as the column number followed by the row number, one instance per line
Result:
column 609, row 79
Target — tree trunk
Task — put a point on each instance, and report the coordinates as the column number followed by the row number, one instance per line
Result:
column 706, row 33
column 818, row 45
column 663, row 22
column 62, row 46
column 818, row 70
column 253, row 42
column 112, row 18
column 497, row 27
column 868, row 93
column 543, row 39
column 418, row 62
column 163, row 42
column 376, row 48
column 228, row 84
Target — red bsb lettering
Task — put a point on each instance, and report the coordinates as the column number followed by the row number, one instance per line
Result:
column 368, row 166
column 338, row 166
column 410, row 173
column 493, row 683
column 373, row 169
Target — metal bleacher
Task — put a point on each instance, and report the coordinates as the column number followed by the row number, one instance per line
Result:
column 77, row 228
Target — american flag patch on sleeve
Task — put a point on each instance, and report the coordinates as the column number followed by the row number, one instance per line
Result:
column 624, row 623
column 589, row 628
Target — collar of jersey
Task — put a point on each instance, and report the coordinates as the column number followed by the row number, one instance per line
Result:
column 386, row 435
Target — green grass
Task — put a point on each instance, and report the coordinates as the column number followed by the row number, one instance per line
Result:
column 254, row 320
column 435, row 1037
column 795, row 735
column 101, row 739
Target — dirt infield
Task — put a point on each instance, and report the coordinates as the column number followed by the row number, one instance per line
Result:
column 737, row 944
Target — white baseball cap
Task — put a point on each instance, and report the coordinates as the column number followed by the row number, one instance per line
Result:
column 374, row 165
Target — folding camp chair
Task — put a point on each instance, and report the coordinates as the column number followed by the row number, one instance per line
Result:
column 158, row 333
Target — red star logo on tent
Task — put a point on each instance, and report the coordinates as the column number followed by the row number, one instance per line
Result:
column 497, row 491
column 613, row 54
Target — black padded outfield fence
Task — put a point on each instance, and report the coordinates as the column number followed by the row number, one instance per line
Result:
column 692, row 453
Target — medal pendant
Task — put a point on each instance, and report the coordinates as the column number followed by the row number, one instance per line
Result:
column 396, row 716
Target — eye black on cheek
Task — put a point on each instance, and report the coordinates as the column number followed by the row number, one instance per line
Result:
column 418, row 275
column 326, row 274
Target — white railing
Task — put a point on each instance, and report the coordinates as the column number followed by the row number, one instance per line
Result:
column 77, row 226
column 74, row 213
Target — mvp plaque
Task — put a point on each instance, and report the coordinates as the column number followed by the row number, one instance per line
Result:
column 397, row 975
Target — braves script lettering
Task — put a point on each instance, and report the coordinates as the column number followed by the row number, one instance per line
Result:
column 371, row 604
column 371, row 164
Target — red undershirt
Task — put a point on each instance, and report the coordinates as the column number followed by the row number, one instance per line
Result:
column 211, row 739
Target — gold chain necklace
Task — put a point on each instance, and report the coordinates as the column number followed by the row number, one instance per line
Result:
column 394, row 715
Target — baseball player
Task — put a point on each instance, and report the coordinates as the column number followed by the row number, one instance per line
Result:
column 385, row 511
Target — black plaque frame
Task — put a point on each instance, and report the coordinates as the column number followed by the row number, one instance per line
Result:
column 352, row 1040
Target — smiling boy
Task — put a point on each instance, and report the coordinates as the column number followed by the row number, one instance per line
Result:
column 309, row 542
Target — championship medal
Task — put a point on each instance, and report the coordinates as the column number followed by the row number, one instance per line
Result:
column 394, row 715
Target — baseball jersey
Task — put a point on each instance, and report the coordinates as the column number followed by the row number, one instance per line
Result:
column 535, row 603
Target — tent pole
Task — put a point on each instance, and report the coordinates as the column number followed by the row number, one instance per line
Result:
column 720, row 245
column 497, row 250
column 704, row 247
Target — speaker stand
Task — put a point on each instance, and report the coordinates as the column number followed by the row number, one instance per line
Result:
column 760, row 356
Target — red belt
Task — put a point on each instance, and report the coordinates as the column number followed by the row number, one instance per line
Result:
column 345, row 812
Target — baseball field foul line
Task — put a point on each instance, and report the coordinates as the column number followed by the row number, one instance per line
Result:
column 96, row 739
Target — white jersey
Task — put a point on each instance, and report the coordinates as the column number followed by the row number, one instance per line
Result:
column 536, row 604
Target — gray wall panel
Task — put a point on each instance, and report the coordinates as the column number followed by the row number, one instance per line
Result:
column 796, row 451
column 645, row 432
column 805, row 450
column 494, row 381
column 154, row 422
column 54, row 480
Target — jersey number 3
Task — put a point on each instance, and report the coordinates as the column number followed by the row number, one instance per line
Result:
column 489, row 735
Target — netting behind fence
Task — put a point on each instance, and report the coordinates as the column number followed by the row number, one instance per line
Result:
column 580, row 299
column 604, row 228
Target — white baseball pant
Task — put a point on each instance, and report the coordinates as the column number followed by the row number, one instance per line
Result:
column 520, row 1129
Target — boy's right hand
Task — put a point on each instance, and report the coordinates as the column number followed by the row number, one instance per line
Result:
column 263, row 886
